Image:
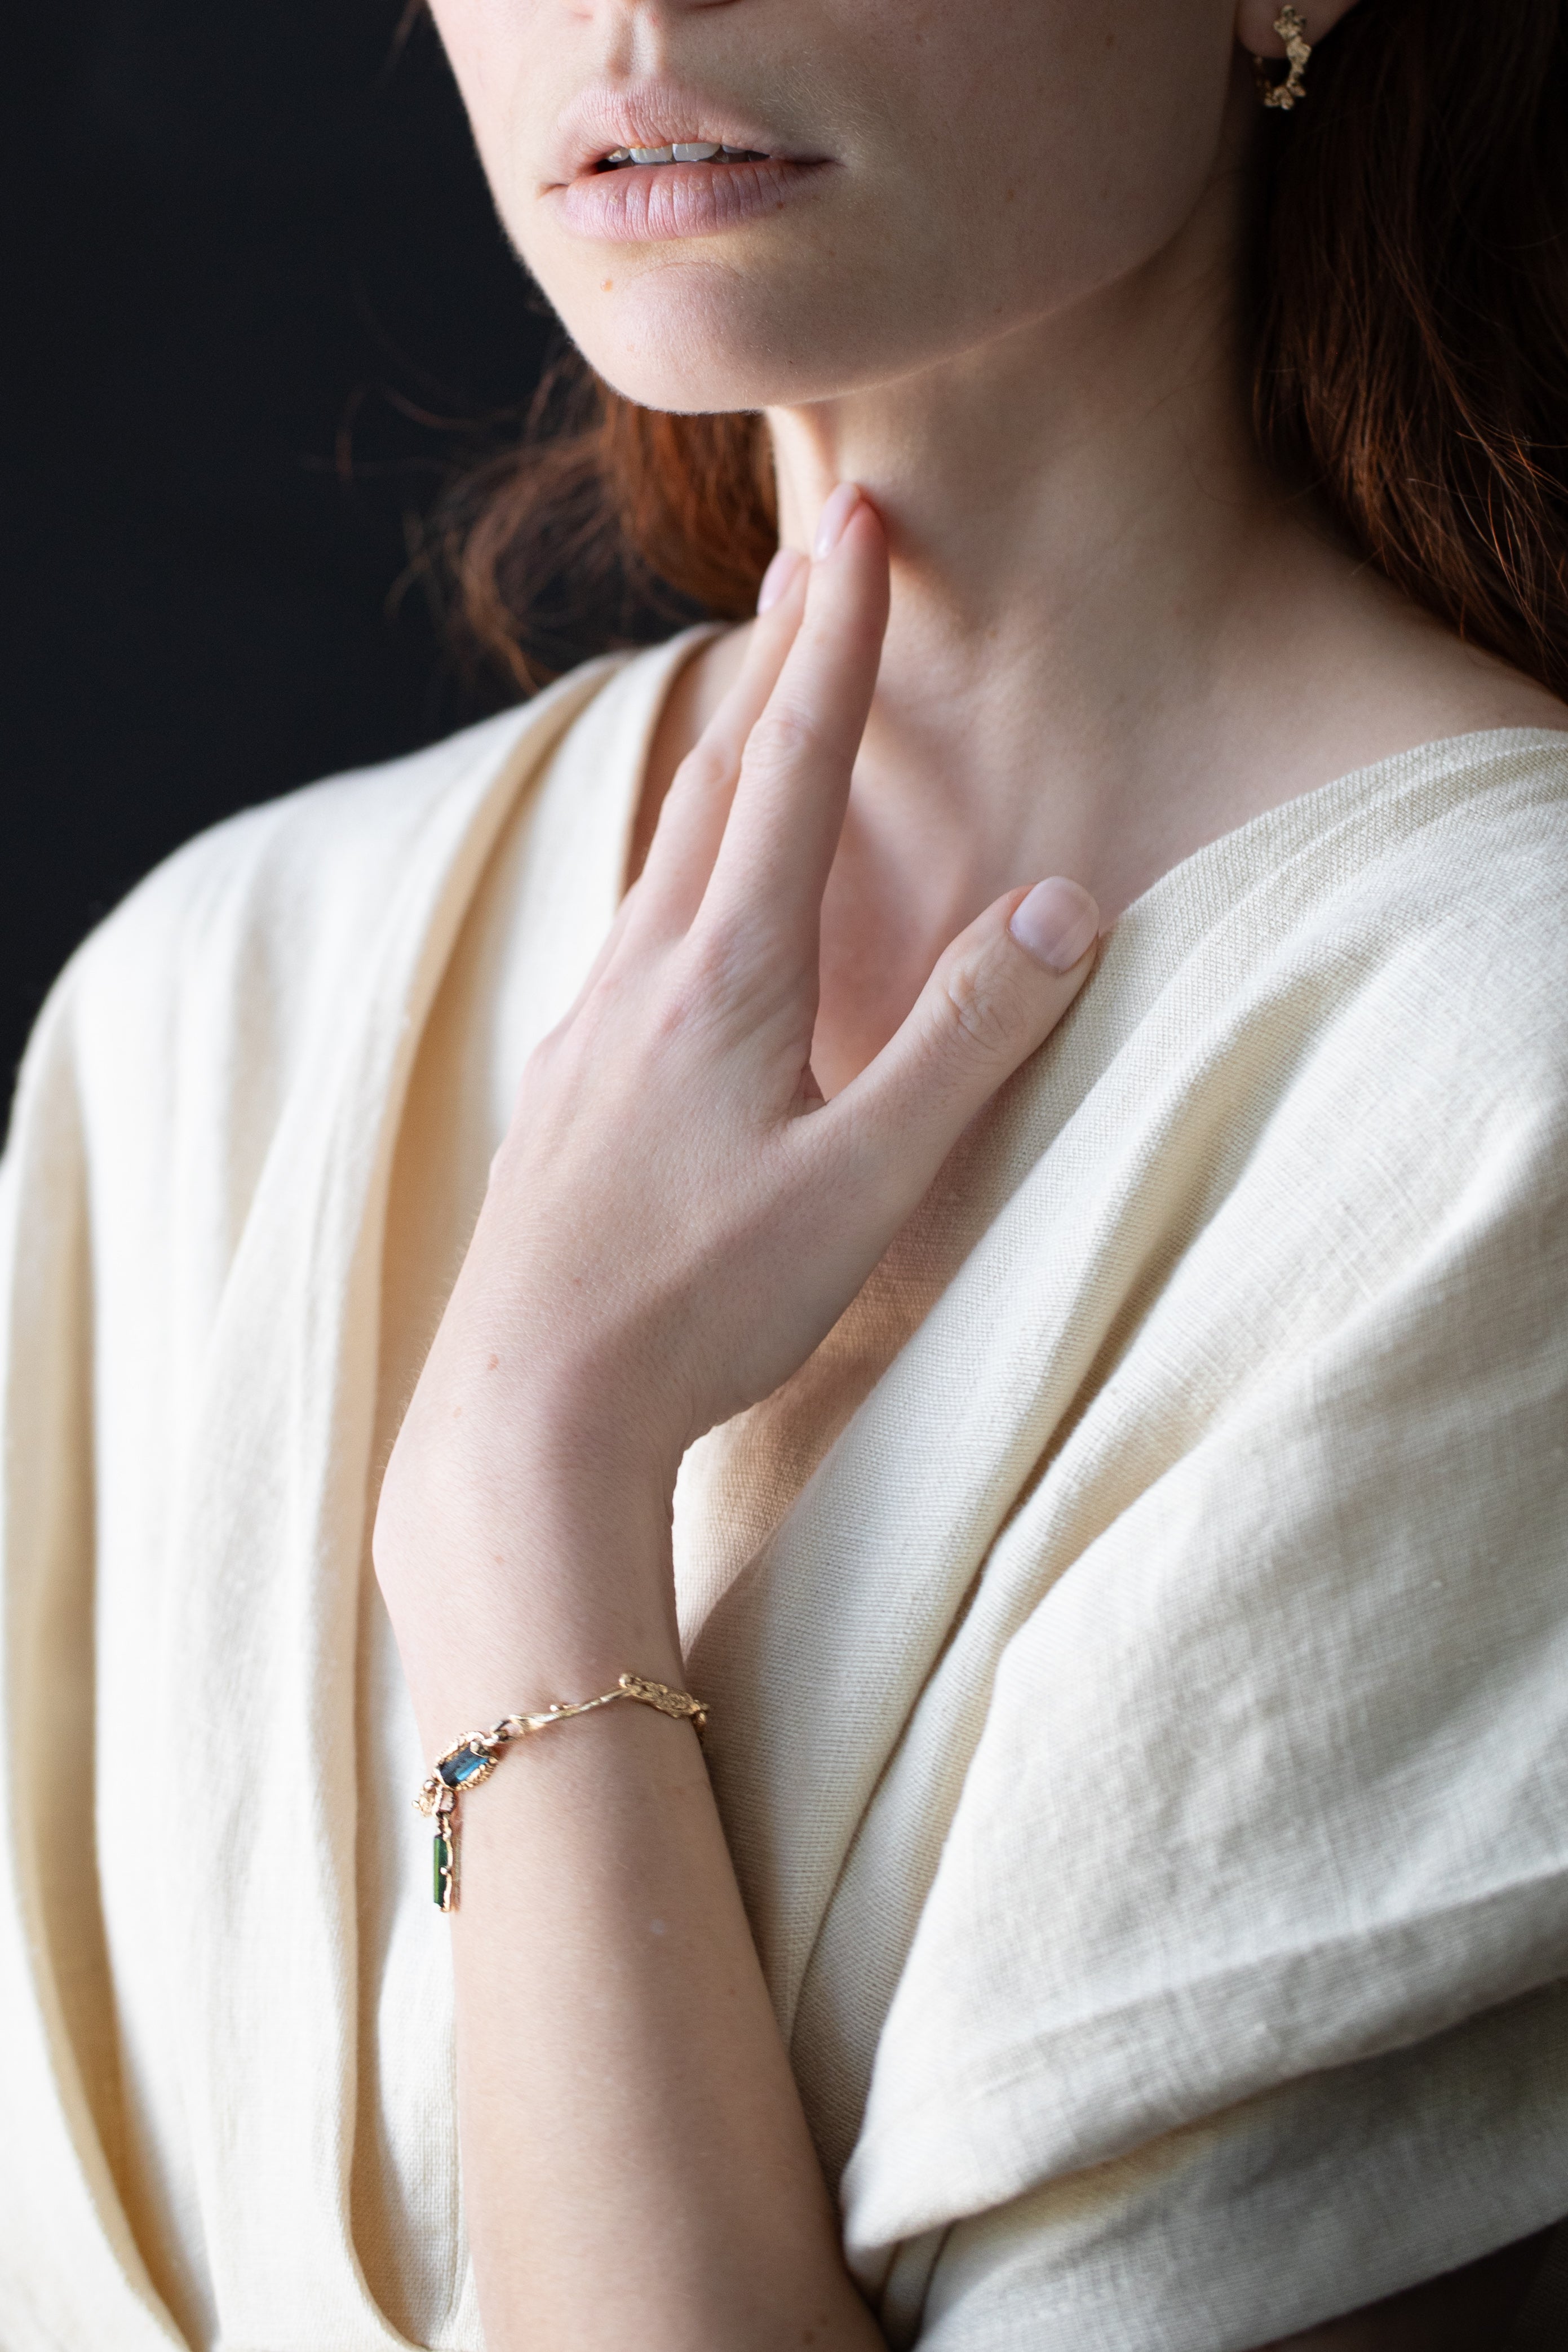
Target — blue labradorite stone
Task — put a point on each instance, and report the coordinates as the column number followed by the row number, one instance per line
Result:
column 458, row 1768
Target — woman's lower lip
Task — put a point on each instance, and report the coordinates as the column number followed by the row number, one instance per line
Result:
column 648, row 204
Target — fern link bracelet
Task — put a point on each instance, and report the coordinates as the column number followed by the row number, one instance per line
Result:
column 474, row 1757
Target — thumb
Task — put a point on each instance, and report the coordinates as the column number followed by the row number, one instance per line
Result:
column 995, row 996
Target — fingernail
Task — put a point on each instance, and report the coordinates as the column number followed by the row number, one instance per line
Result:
column 1057, row 923
column 777, row 577
column 831, row 521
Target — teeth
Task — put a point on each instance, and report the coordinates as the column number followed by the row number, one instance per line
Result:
column 683, row 151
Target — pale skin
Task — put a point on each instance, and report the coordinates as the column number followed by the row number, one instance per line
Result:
column 1067, row 629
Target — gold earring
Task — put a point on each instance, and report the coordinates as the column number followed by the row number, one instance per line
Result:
column 1292, row 28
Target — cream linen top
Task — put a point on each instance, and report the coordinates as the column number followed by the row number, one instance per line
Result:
column 1138, row 1641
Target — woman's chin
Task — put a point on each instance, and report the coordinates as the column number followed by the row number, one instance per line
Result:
column 698, row 349
column 695, row 371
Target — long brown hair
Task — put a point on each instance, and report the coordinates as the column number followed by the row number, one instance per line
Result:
column 1410, row 367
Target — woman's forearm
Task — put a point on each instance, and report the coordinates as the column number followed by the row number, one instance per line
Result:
column 635, row 2162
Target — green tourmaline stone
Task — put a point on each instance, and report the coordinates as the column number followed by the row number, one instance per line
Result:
column 443, row 1866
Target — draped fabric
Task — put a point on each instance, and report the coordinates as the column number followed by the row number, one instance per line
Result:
column 1138, row 1640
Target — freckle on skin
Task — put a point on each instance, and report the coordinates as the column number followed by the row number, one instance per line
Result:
column 493, row 1362
column 608, row 287
column 457, row 1413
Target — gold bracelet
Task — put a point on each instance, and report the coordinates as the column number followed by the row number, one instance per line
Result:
column 474, row 1757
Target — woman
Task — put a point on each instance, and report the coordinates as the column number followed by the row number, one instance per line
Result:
column 1094, row 1338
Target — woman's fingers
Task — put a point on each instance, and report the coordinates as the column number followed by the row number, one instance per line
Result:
column 666, row 895
column 692, row 822
column 995, row 997
column 788, row 807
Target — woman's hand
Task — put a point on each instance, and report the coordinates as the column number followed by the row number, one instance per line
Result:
column 676, row 1217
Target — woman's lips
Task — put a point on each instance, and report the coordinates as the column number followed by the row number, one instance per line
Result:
column 648, row 203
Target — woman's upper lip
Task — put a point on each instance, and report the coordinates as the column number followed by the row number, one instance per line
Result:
column 653, row 114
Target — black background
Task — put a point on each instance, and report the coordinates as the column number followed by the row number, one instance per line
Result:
column 255, row 303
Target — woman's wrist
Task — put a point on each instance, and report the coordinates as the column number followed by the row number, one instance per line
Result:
column 546, row 1571
column 464, row 1678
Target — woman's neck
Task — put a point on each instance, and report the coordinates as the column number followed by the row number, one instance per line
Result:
column 1113, row 638
column 1080, row 535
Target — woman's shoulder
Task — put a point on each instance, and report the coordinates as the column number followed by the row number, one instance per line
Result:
column 1480, row 818
column 1452, row 884
column 1395, row 910
column 248, row 960
column 1419, row 893
column 317, row 860
column 311, row 868
column 286, row 898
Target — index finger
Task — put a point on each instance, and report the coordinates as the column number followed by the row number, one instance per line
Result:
column 788, row 807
